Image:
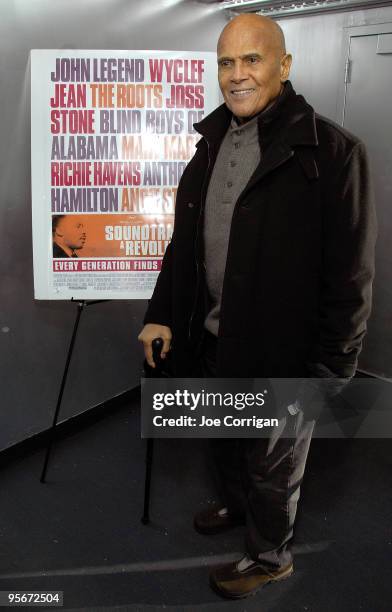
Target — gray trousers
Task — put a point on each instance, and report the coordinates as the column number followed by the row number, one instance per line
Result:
column 260, row 478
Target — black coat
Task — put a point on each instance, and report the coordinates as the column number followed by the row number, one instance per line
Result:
column 300, row 262
column 59, row 252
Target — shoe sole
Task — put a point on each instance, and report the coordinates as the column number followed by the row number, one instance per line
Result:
column 227, row 595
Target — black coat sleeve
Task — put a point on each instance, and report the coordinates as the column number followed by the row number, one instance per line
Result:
column 349, row 235
column 159, row 309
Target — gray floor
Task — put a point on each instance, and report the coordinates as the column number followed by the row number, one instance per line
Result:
column 81, row 532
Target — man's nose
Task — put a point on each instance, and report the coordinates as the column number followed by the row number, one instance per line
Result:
column 239, row 72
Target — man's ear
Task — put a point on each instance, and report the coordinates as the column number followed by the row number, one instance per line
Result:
column 285, row 65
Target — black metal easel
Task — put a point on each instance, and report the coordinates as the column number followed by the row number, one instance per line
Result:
column 81, row 305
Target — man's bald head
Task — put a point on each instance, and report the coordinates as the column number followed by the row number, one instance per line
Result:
column 253, row 64
column 267, row 28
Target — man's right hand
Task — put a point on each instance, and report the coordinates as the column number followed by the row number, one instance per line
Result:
column 148, row 334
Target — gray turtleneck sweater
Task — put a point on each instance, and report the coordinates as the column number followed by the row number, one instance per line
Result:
column 237, row 159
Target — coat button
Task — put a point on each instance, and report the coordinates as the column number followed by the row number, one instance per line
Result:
column 190, row 205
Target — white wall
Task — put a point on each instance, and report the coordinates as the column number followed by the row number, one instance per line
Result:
column 316, row 43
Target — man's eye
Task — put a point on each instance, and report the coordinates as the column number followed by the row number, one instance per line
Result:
column 252, row 60
column 224, row 63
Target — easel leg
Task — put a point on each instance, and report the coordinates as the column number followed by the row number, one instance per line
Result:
column 81, row 306
column 147, row 484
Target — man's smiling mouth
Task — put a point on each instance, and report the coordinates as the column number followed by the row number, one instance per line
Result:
column 241, row 92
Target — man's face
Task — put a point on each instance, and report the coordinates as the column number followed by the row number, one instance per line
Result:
column 72, row 232
column 251, row 68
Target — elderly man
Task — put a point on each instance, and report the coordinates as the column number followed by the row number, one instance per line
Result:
column 268, row 274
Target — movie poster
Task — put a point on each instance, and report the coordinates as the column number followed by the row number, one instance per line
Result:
column 111, row 134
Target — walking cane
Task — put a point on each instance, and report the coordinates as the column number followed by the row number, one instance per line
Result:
column 151, row 373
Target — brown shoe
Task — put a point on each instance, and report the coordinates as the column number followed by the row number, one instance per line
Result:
column 244, row 578
column 216, row 520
